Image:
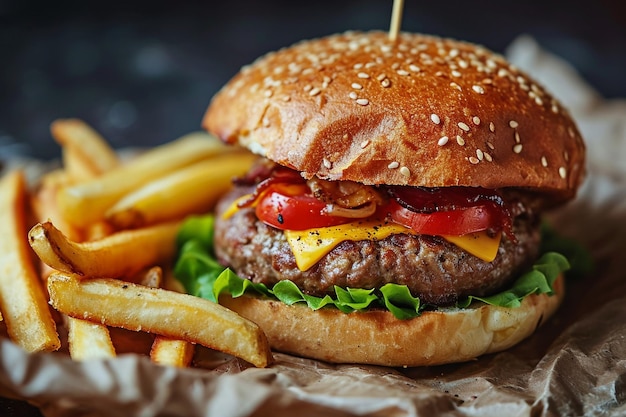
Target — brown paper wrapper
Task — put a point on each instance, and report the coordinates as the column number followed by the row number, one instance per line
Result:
column 574, row 365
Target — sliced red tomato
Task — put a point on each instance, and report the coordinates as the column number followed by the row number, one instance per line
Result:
column 459, row 210
column 290, row 207
column 441, row 223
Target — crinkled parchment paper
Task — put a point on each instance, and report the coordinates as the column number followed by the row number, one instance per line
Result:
column 574, row 365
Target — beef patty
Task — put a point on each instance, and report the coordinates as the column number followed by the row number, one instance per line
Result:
column 436, row 271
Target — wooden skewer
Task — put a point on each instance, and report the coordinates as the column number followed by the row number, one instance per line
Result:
column 396, row 18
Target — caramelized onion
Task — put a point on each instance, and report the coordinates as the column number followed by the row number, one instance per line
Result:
column 347, row 194
column 351, row 213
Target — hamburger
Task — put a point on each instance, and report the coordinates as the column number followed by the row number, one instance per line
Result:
column 397, row 199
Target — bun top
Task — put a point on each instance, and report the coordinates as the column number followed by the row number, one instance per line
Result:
column 420, row 111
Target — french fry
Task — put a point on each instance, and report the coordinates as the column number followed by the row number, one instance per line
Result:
column 166, row 351
column 152, row 277
column 172, row 352
column 191, row 190
column 43, row 202
column 22, row 297
column 89, row 340
column 166, row 313
column 118, row 255
column 87, row 202
column 86, row 340
column 86, row 153
column 97, row 231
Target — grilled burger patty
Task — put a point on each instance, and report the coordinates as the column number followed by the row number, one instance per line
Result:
column 436, row 271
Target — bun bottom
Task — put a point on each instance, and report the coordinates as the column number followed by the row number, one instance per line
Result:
column 378, row 338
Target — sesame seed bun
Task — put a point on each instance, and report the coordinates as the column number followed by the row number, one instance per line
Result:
column 421, row 111
column 378, row 338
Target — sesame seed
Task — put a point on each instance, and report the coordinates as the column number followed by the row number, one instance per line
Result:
column 544, row 161
column 455, row 85
column 405, row 171
column 538, row 101
column 513, row 124
column 476, row 120
column 463, row 126
column 571, row 132
column 436, row 120
column 478, row 89
column 442, row 141
column 566, row 155
column 286, row 98
column 460, row 140
column 479, row 154
column 357, row 86
column 393, row 165
column 364, row 144
column 463, row 64
column 315, row 91
column 517, row 148
column 517, row 138
column 307, row 88
column 362, row 101
column 414, row 68
column 268, row 93
column 353, row 95
column 473, row 160
column 381, row 77
column 488, row 157
column 326, row 163
column 402, row 72
column 562, row 172
column 358, row 66
column 385, row 83
column 363, row 75
column 490, row 145
column 455, row 73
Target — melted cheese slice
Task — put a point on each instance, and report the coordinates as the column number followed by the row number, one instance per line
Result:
column 309, row 246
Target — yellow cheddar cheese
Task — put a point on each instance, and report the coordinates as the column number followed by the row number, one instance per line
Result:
column 309, row 246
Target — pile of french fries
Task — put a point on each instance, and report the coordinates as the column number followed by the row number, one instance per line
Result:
column 104, row 231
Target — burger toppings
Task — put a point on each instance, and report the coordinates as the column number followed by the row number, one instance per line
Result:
column 292, row 207
column 346, row 194
column 316, row 215
column 450, row 210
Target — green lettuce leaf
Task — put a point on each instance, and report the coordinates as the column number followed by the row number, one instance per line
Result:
column 538, row 280
column 201, row 275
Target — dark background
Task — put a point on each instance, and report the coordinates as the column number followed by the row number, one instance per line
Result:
column 143, row 72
